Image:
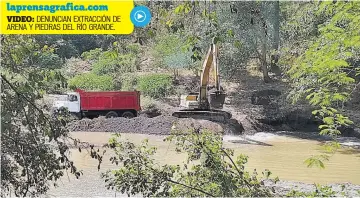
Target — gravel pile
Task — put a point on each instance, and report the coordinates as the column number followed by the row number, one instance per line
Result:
column 160, row 125
column 156, row 125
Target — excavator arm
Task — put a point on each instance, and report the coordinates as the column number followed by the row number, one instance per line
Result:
column 216, row 98
column 206, row 102
column 205, row 75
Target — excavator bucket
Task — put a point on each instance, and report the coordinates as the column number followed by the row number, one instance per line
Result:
column 217, row 99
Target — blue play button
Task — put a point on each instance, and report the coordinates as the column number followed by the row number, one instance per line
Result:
column 140, row 16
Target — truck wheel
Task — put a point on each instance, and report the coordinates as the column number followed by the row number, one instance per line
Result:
column 128, row 114
column 111, row 114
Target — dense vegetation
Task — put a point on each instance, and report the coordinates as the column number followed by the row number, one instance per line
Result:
column 314, row 46
column 217, row 174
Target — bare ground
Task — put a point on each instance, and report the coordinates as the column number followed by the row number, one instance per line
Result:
column 159, row 125
column 255, row 107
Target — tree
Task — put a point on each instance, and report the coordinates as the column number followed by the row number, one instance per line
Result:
column 169, row 53
column 155, row 85
column 276, row 38
column 34, row 152
column 67, row 46
column 243, row 24
column 109, row 67
column 92, row 82
column 323, row 73
column 210, row 169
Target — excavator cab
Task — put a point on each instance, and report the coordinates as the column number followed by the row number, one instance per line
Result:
column 208, row 102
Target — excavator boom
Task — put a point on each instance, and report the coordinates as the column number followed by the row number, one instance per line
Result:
column 207, row 103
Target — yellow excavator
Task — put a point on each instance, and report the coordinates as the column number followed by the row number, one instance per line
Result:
column 207, row 103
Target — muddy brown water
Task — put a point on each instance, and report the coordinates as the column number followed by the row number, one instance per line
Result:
column 283, row 156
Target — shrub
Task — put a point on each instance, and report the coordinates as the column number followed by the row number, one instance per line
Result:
column 118, row 59
column 111, row 63
column 75, row 66
column 128, row 81
column 92, row 55
column 91, row 81
column 47, row 59
column 147, row 103
column 169, row 53
column 155, row 85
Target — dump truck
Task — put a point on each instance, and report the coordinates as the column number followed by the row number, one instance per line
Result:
column 208, row 102
column 91, row 104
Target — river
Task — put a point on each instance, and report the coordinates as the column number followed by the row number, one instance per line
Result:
column 284, row 156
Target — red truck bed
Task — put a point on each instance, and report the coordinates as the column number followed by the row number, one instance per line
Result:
column 109, row 100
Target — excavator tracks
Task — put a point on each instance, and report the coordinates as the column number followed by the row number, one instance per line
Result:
column 212, row 115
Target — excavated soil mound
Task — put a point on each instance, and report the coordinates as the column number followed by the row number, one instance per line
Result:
column 160, row 125
column 156, row 125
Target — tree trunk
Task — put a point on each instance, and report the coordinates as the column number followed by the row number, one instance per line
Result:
column 264, row 68
column 276, row 25
column 263, row 59
column 276, row 39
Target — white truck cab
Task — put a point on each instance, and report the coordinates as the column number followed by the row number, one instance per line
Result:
column 72, row 102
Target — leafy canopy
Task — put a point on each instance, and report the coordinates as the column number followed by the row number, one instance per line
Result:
column 210, row 169
column 34, row 154
column 155, row 85
column 92, row 82
column 321, row 74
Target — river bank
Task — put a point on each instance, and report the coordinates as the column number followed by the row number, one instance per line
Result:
column 164, row 124
column 282, row 153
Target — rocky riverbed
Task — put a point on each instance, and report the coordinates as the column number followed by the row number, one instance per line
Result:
column 282, row 188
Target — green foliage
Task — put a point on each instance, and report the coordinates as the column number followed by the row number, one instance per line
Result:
column 155, row 85
column 178, row 60
column 210, row 169
column 299, row 27
column 92, row 55
column 113, row 61
column 328, row 149
column 321, row 74
column 33, row 152
column 332, row 121
column 147, row 103
column 110, row 63
column 92, row 82
column 67, row 46
column 111, row 69
column 183, row 8
column 48, row 59
column 169, row 52
column 53, row 81
column 317, row 160
column 323, row 42
column 197, row 23
column 74, row 66
column 167, row 45
column 128, row 81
